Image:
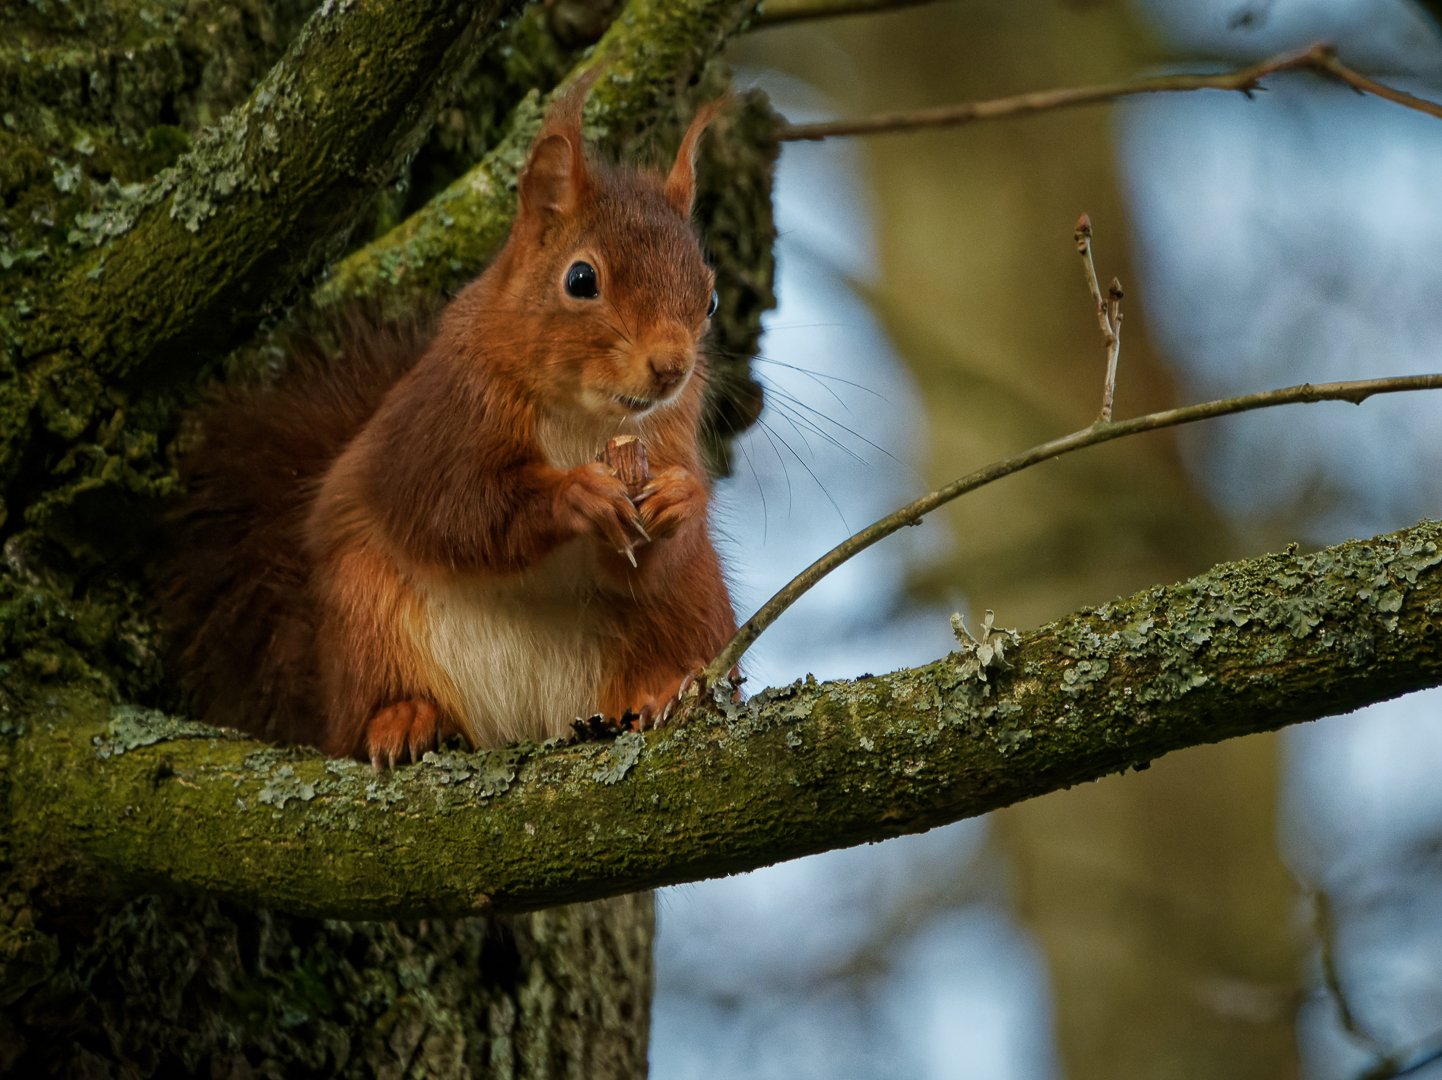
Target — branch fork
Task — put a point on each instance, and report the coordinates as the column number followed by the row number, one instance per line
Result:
column 1355, row 391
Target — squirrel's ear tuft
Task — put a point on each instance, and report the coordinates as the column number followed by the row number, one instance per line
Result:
column 681, row 183
column 555, row 175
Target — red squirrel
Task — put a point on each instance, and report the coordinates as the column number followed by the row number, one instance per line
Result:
column 418, row 540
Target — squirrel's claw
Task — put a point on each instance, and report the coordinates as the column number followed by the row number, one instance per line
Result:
column 657, row 712
column 673, row 497
column 595, row 501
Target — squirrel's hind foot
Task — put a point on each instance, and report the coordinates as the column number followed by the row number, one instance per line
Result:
column 658, row 711
column 401, row 730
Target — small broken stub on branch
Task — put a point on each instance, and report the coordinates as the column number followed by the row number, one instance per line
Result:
column 625, row 456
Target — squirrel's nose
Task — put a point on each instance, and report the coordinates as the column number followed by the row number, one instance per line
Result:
column 669, row 369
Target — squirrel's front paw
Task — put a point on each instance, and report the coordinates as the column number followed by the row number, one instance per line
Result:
column 673, row 497
column 593, row 500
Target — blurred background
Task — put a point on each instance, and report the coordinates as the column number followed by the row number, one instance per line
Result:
column 1270, row 907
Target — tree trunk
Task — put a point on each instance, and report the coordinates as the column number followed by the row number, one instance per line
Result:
column 181, row 986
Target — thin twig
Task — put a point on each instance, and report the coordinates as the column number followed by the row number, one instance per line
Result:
column 781, row 12
column 1114, row 349
column 1083, row 236
column 1325, row 927
column 1424, row 1057
column 1407, row 1062
column 1319, row 58
column 1109, row 314
column 1326, row 61
column 1355, row 391
column 1387, row 1064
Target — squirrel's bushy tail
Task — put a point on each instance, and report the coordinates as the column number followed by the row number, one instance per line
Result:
column 237, row 599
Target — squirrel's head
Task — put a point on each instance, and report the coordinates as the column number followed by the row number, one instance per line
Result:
column 604, row 275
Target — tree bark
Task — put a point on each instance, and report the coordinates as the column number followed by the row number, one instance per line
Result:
column 187, row 986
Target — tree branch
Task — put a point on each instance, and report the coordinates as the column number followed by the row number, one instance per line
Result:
column 268, row 192
column 1319, row 58
column 1109, row 314
column 782, row 12
column 651, row 52
column 125, row 801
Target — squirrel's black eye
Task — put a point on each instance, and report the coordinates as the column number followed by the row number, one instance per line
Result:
column 581, row 281
column 713, row 305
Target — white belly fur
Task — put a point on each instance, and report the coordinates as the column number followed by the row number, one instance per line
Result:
column 524, row 655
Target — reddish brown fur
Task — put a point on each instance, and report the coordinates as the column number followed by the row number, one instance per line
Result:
column 239, row 601
column 329, row 508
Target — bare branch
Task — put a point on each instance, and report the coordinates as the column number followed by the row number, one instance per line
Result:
column 1319, row 58
column 911, row 514
column 1324, row 925
column 783, row 12
column 1109, row 314
column 1083, row 237
column 1326, row 61
column 1114, row 349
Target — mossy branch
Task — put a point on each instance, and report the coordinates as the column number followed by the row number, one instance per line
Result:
column 270, row 192
column 651, row 53
column 128, row 801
